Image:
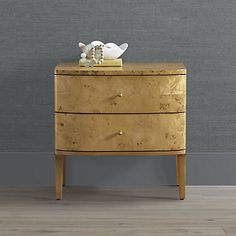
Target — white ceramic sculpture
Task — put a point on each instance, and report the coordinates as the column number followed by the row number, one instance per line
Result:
column 96, row 51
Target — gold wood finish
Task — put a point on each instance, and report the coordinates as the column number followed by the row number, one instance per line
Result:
column 127, row 69
column 181, row 160
column 140, row 132
column 59, row 162
column 120, row 94
column 137, row 109
column 120, row 153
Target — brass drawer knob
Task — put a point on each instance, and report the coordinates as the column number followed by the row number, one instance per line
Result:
column 120, row 132
column 120, row 94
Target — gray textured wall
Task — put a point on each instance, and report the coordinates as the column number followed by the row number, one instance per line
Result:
column 36, row 35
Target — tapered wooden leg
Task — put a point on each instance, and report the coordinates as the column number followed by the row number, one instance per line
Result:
column 64, row 171
column 177, row 171
column 59, row 162
column 181, row 164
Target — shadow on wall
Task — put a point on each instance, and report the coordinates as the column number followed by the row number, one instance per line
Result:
column 121, row 171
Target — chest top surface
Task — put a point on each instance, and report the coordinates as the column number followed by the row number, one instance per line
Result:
column 157, row 68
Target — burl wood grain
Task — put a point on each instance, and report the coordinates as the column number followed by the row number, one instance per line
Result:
column 120, row 94
column 167, row 68
column 138, row 109
column 139, row 132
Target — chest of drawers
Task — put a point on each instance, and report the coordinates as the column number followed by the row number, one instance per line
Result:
column 139, row 109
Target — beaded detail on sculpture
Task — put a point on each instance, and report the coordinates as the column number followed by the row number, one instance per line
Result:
column 92, row 55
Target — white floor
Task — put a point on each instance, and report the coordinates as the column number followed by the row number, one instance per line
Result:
column 207, row 210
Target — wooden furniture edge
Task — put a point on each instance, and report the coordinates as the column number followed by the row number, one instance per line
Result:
column 59, row 170
column 181, row 174
column 126, row 69
column 120, row 153
column 116, row 73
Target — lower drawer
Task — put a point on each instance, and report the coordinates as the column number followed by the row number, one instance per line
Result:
column 120, row 132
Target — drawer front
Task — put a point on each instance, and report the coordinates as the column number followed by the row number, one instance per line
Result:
column 109, row 132
column 120, row 94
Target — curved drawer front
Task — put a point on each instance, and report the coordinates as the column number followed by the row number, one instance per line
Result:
column 120, row 94
column 109, row 132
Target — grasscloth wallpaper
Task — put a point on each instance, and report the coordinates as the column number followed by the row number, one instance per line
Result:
column 36, row 35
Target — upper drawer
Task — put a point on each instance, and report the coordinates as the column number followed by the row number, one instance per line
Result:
column 120, row 94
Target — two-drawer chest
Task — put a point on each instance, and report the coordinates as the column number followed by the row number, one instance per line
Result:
column 139, row 109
